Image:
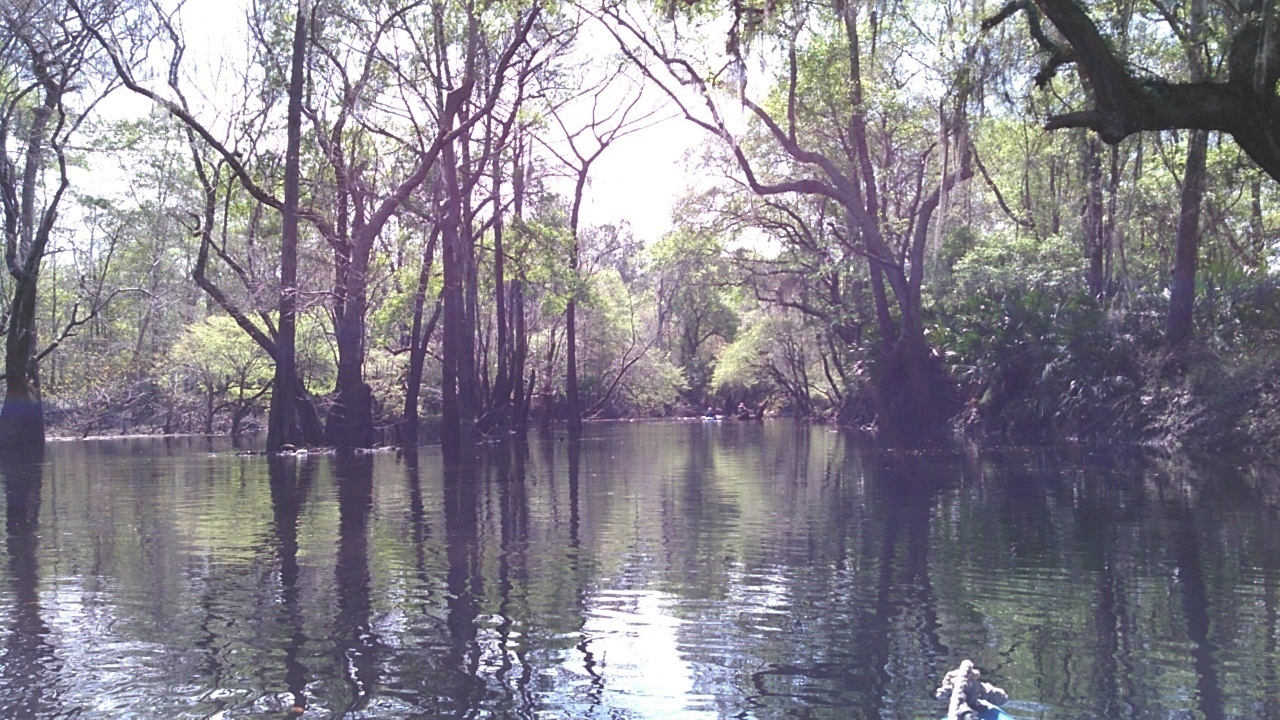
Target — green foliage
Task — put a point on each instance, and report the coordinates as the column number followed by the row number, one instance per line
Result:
column 214, row 366
column 698, row 305
column 1002, row 261
column 1238, row 313
column 1039, row 361
column 652, row 386
column 317, row 357
column 777, row 359
column 616, row 338
column 215, row 352
column 745, row 361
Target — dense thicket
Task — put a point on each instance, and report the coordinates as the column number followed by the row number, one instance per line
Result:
column 373, row 214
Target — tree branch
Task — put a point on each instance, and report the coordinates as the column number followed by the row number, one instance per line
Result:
column 1125, row 103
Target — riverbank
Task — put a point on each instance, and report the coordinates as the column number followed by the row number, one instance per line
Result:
column 1195, row 402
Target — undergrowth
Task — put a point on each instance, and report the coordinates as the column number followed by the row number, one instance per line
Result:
column 1045, row 365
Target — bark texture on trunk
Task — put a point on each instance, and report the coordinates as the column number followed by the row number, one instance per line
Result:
column 1182, row 291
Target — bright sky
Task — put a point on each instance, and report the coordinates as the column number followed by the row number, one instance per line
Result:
column 640, row 178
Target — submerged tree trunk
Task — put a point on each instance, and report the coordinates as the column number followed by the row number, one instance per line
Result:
column 282, row 422
column 350, row 421
column 520, row 393
column 571, row 310
column 501, row 396
column 572, row 402
column 453, row 323
column 22, row 416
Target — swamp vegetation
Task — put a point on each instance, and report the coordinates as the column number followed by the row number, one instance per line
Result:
column 361, row 223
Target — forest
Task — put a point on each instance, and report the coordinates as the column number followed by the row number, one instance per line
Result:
column 354, row 223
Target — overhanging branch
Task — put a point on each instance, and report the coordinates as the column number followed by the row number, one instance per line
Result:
column 1125, row 103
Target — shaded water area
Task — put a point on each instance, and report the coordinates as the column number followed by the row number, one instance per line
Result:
column 650, row 570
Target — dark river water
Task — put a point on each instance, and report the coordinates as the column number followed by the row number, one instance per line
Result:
column 673, row 570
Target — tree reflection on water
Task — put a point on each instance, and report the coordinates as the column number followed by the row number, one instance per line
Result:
column 700, row 570
column 28, row 666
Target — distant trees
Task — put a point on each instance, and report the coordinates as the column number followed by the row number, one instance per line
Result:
column 592, row 109
column 697, row 313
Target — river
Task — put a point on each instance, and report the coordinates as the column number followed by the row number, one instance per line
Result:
column 648, row 570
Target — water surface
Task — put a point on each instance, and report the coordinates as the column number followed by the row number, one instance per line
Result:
column 649, row 570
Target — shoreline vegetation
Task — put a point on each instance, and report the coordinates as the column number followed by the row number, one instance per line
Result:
column 1228, row 407
column 1032, row 368
column 380, row 221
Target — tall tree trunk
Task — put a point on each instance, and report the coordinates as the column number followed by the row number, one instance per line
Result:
column 1257, row 246
column 520, row 336
column 571, row 311
column 1182, row 292
column 912, row 392
column 502, row 380
column 1094, row 240
column 282, row 421
column 470, row 385
column 453, row 325
column 1109, row 229
column 574, row 405
column 350, row 422
column 418, row 339
column 26, row 232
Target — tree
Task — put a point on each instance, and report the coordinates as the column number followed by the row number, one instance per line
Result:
column 1232, row 90
column 1125, row 100
column 350, row 114
column 461, row 393
column 1182, row 291
column 344, row 104
column 695, row 314
column 282, row 426
column 816, row 136
column 292, row 420
column 225, row 367
column 618, row 328
column 419, row 337
column 48, row 86
column 776, row 351
column 601, row 121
